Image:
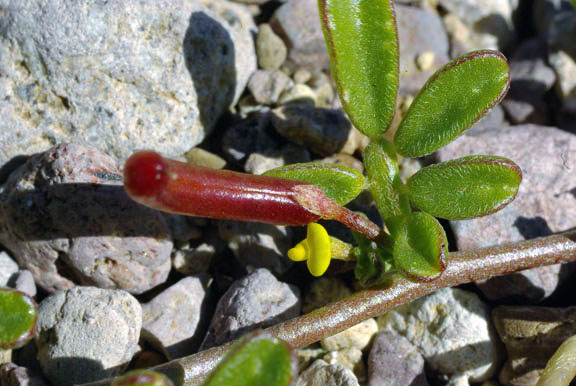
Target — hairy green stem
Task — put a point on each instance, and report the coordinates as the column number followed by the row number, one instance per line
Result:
column 462, row 267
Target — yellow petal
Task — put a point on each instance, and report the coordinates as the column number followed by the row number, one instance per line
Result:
column 319, row 246
column 300, row 252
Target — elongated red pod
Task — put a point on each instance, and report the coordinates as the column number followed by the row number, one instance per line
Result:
column 176, row 187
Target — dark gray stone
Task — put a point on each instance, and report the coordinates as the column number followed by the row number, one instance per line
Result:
column 258, row 300
column 394, row 360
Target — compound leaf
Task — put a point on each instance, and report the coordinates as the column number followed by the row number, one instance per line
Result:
column 257, row 360
column 420, row 247
column 455, row 97
column 466, row 187
column 362, row 41
column 339, row 182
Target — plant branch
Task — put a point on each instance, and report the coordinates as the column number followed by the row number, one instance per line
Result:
column 462, row 267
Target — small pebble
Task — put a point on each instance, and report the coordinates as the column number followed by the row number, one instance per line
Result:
column 258, row 300
column 204, row 158
column 270, row 48
column 171, row 322
column 324, row 374
column 85, row 334
column 358, row 336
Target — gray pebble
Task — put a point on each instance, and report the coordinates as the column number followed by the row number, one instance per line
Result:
column 25, row 283
column 322, row 131
column 298, row 23
column 395, row 360
column 8, row 269
column 531, row 335
column 66, row 218
column 561, row 53
column 86, row 333
column 545, row 202
column 454, row 333
column 270, row 48
column 323, row 374
column 258, row 300
column 67, row 77
column 531, row 78
column 267, row 86
column 13, row 375
column 171, row 322
column 258, row 163
column 420, row 33
column 258, row 245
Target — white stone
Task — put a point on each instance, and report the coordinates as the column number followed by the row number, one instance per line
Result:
column 453, row 331
column 358, row 336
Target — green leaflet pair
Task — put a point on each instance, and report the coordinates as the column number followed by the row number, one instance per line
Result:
column 362, row 41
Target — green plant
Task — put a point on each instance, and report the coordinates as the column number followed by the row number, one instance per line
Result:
column 363, row 45
column 18, row 316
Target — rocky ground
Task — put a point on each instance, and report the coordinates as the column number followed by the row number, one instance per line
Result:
column 245, row 86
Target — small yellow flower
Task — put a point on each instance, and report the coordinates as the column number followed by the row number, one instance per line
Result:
column 315, row 249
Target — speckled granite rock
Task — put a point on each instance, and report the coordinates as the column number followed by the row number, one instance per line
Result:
column 544, row 204
column 65, row 76
column 453, row 332
column 258, row 300
column 65, row 217
column 86, row 333
column 531, row 335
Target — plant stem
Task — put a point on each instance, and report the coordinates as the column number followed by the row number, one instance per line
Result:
column 462, row 267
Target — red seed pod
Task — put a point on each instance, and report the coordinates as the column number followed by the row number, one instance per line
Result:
column 177, row 187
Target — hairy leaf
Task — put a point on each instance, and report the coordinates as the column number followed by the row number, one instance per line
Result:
column 257, row 360
column 18, row 315
column 455, row 97
column 466, row 187
column 384, row 180
column 362, row 41
column 339, row 182
column 420, row 247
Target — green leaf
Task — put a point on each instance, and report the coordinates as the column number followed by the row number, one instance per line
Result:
column 464, row 188
column 384, row 180
column 373, row 262
column 455, row 97
column 18, row 315
column 257, row 360
column 420, row 247
column 143, row 378
column 362, row 41
column 339, row 182
column 573, row 3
